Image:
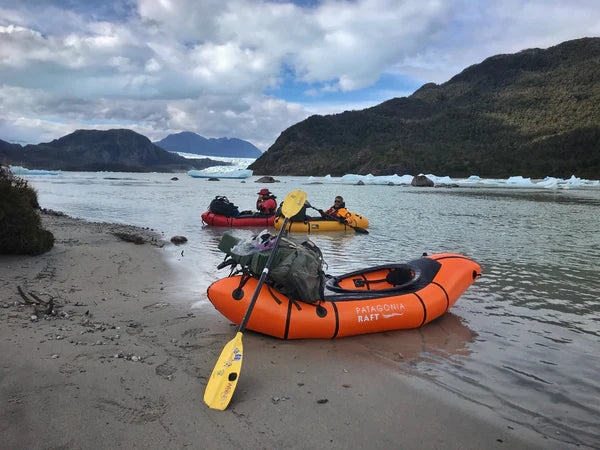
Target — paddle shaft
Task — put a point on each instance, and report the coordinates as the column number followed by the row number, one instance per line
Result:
column 263, row 277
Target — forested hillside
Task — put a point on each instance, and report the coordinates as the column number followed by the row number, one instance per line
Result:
column 535, row 113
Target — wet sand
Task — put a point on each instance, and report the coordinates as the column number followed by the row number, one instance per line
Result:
column 123, row 363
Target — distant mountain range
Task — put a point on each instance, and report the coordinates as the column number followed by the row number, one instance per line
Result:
column 95, row 150
column 535, row 113
column 188, row 142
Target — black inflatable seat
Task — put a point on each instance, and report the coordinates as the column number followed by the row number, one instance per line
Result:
column 399, row 276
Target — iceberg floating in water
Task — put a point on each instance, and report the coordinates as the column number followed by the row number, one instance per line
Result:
column 19, row 170
column 472, row 181
column 240, row 173
column 235, row 167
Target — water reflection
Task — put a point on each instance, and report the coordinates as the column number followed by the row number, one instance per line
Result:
column 445, row 338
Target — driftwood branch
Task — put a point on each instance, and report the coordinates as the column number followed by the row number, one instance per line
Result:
column 39, row 299
column 22, row 294
column 39, row 305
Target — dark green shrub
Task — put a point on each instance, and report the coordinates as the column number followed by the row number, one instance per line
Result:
column 21, row 230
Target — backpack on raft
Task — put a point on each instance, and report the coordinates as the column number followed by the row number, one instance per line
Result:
column 222, row 206
column 296, row 271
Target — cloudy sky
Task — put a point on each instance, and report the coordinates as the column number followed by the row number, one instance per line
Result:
column 246, row 68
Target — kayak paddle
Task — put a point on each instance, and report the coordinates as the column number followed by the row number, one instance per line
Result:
column 225, row 375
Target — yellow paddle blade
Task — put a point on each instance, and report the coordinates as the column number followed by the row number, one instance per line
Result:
column 293, row 203
column 225, row 375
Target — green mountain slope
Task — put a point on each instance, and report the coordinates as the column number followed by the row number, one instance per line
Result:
column 534, row 113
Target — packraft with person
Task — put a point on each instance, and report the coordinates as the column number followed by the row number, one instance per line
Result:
column 336, row 218
column 222, row 212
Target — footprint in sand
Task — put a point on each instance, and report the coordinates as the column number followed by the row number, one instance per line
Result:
column 194, row 332
column 69, row 369
column 156, row 306
column 165, row 370
column 149, row 411
column 134, row 328
column 176, row 320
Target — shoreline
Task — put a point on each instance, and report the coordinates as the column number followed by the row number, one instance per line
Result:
column 125, row 360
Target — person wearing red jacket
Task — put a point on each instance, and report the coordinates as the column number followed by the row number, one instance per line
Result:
column 266, row 203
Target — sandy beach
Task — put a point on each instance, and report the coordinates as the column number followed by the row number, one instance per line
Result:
column 123, row 360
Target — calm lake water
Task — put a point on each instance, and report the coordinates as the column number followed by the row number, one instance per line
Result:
column 524, row 340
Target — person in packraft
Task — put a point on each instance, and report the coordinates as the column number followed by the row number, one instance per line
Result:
column 338, row 210
column 266, row 203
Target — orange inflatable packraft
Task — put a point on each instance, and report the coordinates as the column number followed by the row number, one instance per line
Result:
column 380, row 298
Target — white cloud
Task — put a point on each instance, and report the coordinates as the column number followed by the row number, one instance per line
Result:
column 172, row 65
column 252, row 117
column 25, row 130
